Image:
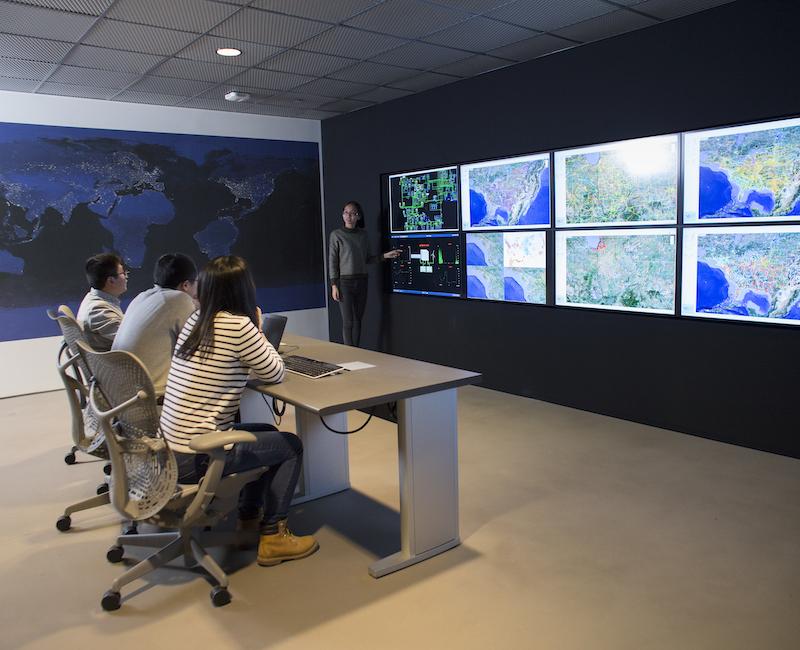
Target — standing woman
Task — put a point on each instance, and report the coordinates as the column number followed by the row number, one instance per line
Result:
column 348, row 256
column 217, row 349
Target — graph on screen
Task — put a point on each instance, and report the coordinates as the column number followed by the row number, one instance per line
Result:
column 428, row 265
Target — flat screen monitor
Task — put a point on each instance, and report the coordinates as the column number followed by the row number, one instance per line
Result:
column 509, row 266
column 509, row 193
column 749, row 273
column 743, row 173
column 629, row 270
column 428, row 265
column 424, row 201
column 619, row 183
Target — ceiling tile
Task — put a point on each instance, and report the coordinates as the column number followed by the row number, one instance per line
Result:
column 68, row 74
column 187, row 15
column 205, row 49
column 168, row 86
column 545, row 15
column 216, row 105
column 383, row 94
column 24, row 69
column 424, row 81
column 148, row 98
column 72, row 90
column 530, row 48
column 372, row 73
column 89, row 56
column 18, row 85
column 473, row 6
column 607, row 25
column 197, row 70
column 667, row 9
column 256, row 94
column 269, row 28
column 407, row 18
column 308, row 63
column 43, row 23
column 333, row 88
column 479, row 35
column 345, row 105
column 325, row 10
column 474, row 65
column 297, row 100
column 421, row 56
column 138, row 38
column 14, row 46
column 357, row 44
column 88, row 7
column 317, row 114
column 277, row 111
column 269, row 79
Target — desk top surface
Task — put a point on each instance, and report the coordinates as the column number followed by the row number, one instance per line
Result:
column 392, row 378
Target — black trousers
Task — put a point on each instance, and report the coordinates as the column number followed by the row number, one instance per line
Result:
column 352, row 303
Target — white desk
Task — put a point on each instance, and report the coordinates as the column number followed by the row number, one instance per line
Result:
column 427, row 430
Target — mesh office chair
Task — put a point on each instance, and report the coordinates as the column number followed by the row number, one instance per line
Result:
column 86, row 434
column 144, row 478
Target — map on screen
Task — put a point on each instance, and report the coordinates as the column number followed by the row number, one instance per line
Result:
column 507, row 266
column 629, row 270
column 424, row 201
column 744, row 273
column 743, row 173
column 633, row 181
column 510, row 193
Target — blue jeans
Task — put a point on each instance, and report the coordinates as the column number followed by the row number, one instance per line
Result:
column 280, row 451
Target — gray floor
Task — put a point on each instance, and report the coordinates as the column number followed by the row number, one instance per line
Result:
column 579, row 532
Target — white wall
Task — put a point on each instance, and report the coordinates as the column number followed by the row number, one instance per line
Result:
column 29, row 366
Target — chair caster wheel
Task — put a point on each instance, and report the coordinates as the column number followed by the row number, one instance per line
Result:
column 69, row 459
column 107, row 469
column 102, row 488
column 111, row 601
column 63, row 524
column 220, row 596
column 114, row 554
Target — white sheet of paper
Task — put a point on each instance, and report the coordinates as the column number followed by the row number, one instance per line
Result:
column 355, row 365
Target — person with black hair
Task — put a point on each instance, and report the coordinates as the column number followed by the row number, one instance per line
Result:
column 348, row 256
column 155, row 317
column 220, row 345
column 100, row 312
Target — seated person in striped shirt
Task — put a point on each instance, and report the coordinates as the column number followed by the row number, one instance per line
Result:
column 217, row 349
column 100, row 313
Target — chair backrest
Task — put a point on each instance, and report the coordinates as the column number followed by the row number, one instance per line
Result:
column 144, row 474
column 72, row 333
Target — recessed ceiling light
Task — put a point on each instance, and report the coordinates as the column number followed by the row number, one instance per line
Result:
column 228, row 51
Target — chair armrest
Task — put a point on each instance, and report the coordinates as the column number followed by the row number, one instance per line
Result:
column 208, row 441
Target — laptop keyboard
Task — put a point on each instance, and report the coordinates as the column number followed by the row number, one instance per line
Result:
column 309, row 367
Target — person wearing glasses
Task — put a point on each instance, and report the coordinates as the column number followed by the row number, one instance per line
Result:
column 100, row 313
column 155, row 317
column 348, row 256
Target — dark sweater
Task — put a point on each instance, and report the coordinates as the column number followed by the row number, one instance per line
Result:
column 348, row 254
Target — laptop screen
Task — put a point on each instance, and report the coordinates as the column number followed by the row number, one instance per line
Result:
column 273, row 326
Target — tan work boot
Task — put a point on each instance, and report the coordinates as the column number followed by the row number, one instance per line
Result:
column 282, row 546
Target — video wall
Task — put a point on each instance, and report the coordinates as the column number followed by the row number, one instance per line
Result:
column 702, row 224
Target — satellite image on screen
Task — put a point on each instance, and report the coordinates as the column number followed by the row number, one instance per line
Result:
column 745, row 273
column 746, row 172
column 627, row 182
column 507, row 266
column 513, row 193
column 426, row 200
column 632, row 270
column 428, row 264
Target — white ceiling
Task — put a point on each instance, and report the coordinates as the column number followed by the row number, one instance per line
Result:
column 300, row 58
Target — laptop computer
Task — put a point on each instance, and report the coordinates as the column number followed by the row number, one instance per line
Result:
column 273, row 326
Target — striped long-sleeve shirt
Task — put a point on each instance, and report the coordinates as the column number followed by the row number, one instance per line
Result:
column 203, row 394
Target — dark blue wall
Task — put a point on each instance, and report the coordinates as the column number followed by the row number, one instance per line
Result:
column 728, row 381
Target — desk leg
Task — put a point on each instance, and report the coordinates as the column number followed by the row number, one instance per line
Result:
column 326, row 466
column 428, row 445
